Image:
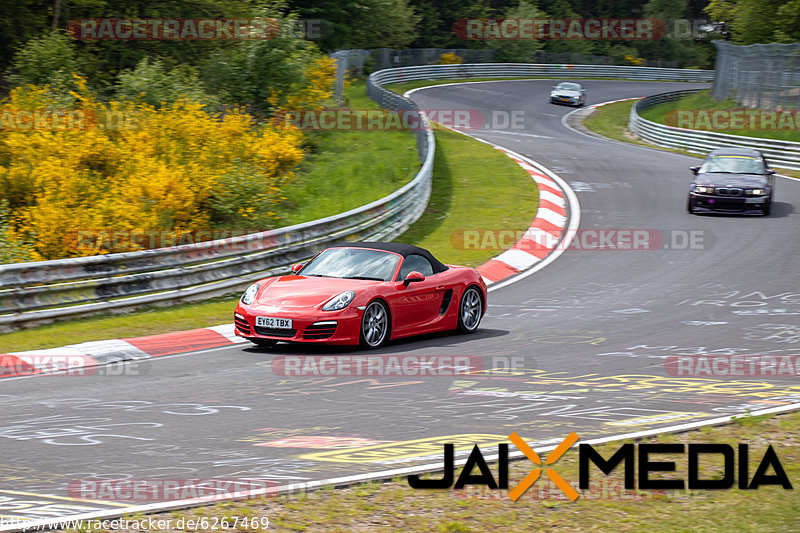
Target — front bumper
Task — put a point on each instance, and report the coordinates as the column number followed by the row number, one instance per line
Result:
column 564, row 101
column 336, row 327
column 711, row 203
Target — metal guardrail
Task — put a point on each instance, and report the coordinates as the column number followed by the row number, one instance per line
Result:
column 503, row 70
column 38, row 292
column 780, row 154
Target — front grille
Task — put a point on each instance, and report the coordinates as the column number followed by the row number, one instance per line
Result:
column 275, row 332
column 241, row 325
column 729, row 191
column 722, row 204
column 320, row 330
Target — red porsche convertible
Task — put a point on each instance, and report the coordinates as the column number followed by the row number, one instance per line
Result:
column 362, row 293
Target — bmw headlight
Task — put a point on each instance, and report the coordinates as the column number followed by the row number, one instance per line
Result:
column 249, row 295
column 702, row 189
column 340, row 301
column 758, row 192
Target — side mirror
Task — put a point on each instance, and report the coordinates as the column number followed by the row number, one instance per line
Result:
column 296, row 267
column 770, row 172
column 412, row 277
column 694, row 170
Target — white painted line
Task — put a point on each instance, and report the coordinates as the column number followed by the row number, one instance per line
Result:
column 386, row 474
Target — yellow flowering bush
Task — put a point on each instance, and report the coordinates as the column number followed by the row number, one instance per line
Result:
column 450, row 58
column 316, row 87
column 633, row 60
column 134, row 167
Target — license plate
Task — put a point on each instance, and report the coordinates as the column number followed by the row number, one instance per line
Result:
column 274, row 323
column 566, row 99
column 754, row 200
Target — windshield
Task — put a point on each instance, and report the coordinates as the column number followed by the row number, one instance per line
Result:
column 354, row 263
column 733, row 165
column 568, row 87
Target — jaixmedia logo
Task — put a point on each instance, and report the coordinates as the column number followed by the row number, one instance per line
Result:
column 638, row 463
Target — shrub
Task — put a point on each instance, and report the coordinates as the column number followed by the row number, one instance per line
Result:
column 167, row 169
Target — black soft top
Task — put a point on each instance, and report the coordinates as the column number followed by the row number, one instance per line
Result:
column 399, row 248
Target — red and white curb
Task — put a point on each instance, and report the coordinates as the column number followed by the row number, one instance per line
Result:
column 545, row 232
column 95, row 353
column 551, row 232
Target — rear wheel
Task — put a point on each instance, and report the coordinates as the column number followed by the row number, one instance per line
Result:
column 470, row 310
column 374, row 326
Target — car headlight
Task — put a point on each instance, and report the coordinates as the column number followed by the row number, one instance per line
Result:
column 249, row 295
column 758, row 192
column 700, row 188
column 340, row 301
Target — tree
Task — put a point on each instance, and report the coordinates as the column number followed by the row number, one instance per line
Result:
column 362, row 23
column 518, row 50
column 758, row 21
column 787, row 23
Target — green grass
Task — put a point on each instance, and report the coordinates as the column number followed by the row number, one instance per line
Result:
column 612, row 121
column 335, row 178
column 394, row 506
column 402, row 87
column 474, row 187
column 702, row 100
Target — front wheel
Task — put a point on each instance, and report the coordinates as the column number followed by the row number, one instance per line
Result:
column 374, row 326
column 690, row 206
column 767, row 207
column 470, row 311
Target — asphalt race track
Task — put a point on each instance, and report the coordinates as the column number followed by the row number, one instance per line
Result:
column 589, row 337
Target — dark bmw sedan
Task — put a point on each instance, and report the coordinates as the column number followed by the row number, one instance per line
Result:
column 732, row 180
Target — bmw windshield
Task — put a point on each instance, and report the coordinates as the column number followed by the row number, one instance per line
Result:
column 732, row 165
